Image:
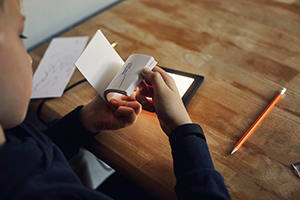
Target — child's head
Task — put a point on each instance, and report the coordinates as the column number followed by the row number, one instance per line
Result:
column 15, row 66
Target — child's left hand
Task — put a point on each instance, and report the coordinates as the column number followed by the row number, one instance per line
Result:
column 97, row 115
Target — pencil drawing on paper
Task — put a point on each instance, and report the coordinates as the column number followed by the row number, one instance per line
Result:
column 57, row 67
column 124, row 73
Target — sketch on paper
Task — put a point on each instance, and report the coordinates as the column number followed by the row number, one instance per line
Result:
column 57, row 66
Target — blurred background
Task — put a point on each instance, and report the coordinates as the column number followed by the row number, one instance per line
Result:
column 45, row 19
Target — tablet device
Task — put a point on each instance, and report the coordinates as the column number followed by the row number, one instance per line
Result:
column 186, row 83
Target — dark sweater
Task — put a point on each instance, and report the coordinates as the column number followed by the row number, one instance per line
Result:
column 33, row 167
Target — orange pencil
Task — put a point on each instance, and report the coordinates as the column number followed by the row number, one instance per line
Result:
column 257, row 122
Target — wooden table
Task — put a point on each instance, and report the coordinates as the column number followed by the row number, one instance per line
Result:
column 247, row 50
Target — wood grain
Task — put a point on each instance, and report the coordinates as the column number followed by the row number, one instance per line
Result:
column 247, row 50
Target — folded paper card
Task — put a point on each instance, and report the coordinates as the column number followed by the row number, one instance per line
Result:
column 105, row 70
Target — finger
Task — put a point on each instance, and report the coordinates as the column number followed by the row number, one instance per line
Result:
column 137, row 108
column 129, row 98
column 146, row 104
column 114, row 103
column 135, row 105
column 145, row 98
column 166, row 77
column 154, row 78
column 144, row 90
column 147, row 83
column 132, row 104
column 126, row 113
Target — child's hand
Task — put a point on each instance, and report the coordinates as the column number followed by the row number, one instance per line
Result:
column 167, row 102
column 97, row 115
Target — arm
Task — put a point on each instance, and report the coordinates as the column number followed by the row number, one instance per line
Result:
column 69, row 134
column 194, row 170
column 76, row 128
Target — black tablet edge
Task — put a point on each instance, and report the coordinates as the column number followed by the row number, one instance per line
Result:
column 198, row 79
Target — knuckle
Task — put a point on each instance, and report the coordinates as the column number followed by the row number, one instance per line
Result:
column 155, row 75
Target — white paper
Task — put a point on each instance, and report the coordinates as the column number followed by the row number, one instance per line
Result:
column 99, row 63
column 105, row 70
column 57, row 66
column 182, row 82
column 128, row 78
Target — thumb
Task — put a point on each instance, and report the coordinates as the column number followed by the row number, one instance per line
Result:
column 154, row 78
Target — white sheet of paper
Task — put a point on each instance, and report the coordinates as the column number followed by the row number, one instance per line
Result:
column 57, row 66
column 182, row 82
column 99, row 63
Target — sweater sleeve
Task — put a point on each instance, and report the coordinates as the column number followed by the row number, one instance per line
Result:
column 69, row 134
column 196, row 177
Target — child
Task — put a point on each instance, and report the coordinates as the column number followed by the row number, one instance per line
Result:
column 34, row 164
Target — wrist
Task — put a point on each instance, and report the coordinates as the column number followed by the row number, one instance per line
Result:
column 170, row 126
column 185, row 130
column 180, row 120
column 86, row 119
column 180, row 123
column 180, row 116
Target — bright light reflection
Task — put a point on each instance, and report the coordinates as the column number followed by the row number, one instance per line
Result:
column 182, row 82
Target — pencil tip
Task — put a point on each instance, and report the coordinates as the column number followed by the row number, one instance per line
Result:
column 283, row 91
column 234, row 150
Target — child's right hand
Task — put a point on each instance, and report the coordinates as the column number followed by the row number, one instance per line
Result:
column 167, row 102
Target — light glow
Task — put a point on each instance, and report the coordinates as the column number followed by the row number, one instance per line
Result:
column 182, row 82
